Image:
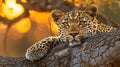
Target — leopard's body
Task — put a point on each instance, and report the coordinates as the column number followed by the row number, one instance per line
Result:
column 73, row 26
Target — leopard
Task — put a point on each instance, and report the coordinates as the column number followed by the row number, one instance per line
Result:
column 72, row 26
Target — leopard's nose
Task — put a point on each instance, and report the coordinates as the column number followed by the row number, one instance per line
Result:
column 73, row 33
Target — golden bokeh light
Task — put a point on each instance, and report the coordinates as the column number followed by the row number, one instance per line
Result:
column 2, row 26
column 24, row 1
column 54, row 27
column 11, row 9
column 44, row 17
column 39, row 16
column 0, row 7
column 23, row 25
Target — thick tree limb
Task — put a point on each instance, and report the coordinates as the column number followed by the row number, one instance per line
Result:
column 99, row 50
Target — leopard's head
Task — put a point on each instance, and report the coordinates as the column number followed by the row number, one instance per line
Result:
column 75, row 24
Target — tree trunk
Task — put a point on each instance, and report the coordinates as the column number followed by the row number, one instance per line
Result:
column 101, row 50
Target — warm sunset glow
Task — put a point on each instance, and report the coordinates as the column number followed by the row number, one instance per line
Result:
column 40, row 16
column 11, row 9
column 23, row 25
column 44, row 18
column 24, row 1
column 2, row 26
column 0, row 7
column 54, row 28
column 74, row 0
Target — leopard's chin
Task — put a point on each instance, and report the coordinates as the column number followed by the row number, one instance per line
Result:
column 74, row 43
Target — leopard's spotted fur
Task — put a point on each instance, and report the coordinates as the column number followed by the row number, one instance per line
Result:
column 72, row 26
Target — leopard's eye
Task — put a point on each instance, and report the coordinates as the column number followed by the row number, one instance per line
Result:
column 82, row 24
column 65, row 24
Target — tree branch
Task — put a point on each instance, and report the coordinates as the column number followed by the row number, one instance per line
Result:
column 48, row 5
column 99, row 50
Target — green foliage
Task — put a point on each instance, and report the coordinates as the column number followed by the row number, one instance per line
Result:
column 111, row 8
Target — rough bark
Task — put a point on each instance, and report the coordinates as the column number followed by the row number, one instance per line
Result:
column 101, row 50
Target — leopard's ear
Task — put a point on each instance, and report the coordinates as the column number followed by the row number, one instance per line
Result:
column 91, row 10
column 56, row 15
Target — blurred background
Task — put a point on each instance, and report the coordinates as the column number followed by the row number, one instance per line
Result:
column 24, row 22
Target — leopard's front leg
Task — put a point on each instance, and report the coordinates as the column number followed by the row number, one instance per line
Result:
column 39, row 49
